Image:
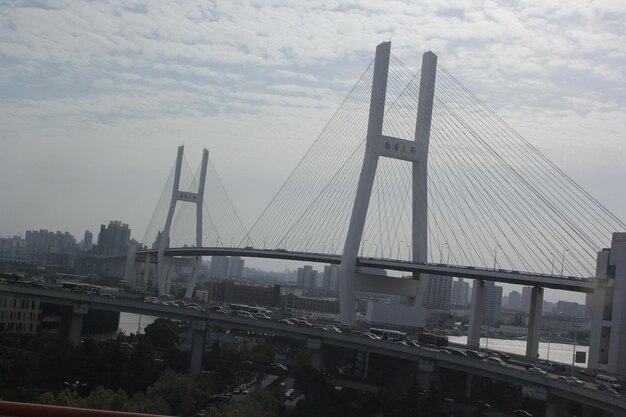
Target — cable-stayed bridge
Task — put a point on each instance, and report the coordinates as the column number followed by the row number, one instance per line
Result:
column 412, row 173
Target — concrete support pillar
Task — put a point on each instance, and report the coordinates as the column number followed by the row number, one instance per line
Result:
column 468, row 386
column 129, row 271
column 258, row 383
column 476, row 314
column 534, row 323
column 317, row 360
column 554, row 408
column 146, row 274
column 199, row 328
column 75, row 325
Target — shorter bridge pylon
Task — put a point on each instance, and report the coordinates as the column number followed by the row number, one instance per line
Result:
column 196, row 198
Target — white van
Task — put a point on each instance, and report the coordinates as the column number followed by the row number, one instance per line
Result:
column 608, row 380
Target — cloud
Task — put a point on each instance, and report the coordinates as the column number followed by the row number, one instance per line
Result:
column 256, row 81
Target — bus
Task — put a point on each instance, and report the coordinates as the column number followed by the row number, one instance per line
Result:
column 76, row 286
column 388, row 334
column 249, row 309
column 432, row 339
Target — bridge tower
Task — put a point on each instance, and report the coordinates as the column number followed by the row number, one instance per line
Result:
column 416, row 152
column 189, row 197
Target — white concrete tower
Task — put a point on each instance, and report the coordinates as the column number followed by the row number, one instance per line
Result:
column 378, row 145
column 184, row 196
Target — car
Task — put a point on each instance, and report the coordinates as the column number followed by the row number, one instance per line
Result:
column 370, row 336
column 575, row 380
column 522, row 413
column 279, row 366
column 261, row 316
column 107, row 295
column 245, row 391
column 332, row 328
column 500, row 355
column 458, row 352
column 474, row 354
column 401, row 342
column 286, row 321
column 607, row 388
column 494, row 359
column 300, row 321
column 242, row 313
column 245, row 363
column 535, row 370
column 588, row 372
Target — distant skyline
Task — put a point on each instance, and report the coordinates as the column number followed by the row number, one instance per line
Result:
column 96, row 97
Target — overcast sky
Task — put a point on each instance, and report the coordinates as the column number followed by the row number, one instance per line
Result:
column 96, row 97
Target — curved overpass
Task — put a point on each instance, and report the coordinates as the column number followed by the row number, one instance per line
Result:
column 318, row 337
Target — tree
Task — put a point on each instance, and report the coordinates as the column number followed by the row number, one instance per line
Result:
column 163, row 333
column 177, row 391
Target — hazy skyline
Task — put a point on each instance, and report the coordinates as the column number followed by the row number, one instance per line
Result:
column 96, row 98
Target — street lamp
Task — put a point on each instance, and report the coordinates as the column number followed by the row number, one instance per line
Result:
column 575, row 326
column 552, row 265
column 563, row 261
column 495, row 256
column 75, row 385
column 441, row 251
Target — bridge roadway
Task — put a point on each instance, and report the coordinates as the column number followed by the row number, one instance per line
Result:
column 312, row 337
column 558, row 282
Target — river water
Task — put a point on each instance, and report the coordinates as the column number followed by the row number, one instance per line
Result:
column 556, row 352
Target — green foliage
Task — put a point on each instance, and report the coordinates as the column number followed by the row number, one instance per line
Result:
column 259, row 353
column 258, row 404
column 163, row 333
column 180, row 394
column 20, row 367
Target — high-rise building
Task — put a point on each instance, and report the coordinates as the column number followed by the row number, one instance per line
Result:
column 219, row 267
column 19, row 315
column 493, row 304
column 460, row 290
column 526, row 291
column 307, row 278
column 515, row 301
column 235, row 267
column 438, row 293
column 331, row 278
column 87, row 240
column 226, row 267
column 113, row 239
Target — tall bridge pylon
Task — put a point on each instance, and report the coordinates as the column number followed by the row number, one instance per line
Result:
column 378, row 145
column 196, row 198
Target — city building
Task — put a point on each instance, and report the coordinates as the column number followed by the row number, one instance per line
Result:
column 87, row 241
column 19, row 315
column 14, row 249
column 233, row 292
column 113, row 239
column 328, row 305
column 307, row 278
column 460, row 292
column 331, row 278
column 493, row 304
column 226, row 267
column 515, row 301
column 438, row 293
column 570, row 309
column 607, row 342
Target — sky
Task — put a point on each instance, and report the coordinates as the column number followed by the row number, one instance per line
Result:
column 95, row 97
